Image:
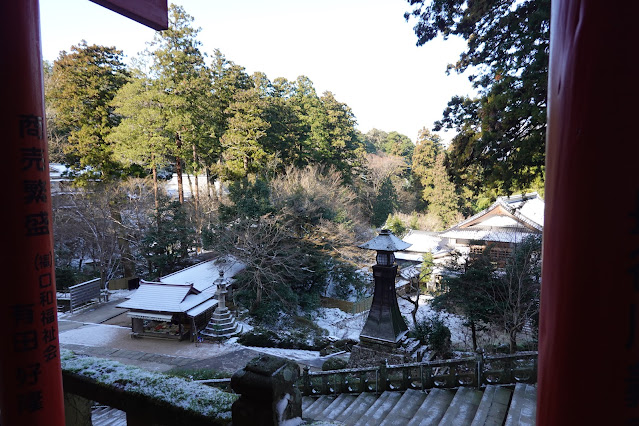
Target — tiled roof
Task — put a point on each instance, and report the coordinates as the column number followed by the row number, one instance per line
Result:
column 496, row 235
column 204, row 274
column 522, row 213
column 159, row 297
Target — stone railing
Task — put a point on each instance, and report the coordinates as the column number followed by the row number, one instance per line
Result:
column 141, row 410
column 472, row 372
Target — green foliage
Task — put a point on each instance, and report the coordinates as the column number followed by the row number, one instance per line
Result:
column 385, row 203
column 396, row 225
column 393, row 143
column 400, row 145
column 65, row 277
column 244, row 140
column 348, row 284
column 179, row 72
column 292, row 337
column 167, row 244
column 438, row 192
column 506, row 297
column 334, row 364
column 432, row 331
column 82, row 85
column 501, row 132
column 142, row 136
column 250, row 200
column 443, row 200
column 426, row 271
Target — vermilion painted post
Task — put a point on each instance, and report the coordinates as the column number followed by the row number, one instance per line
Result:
column 589, row 331
column 30, row 375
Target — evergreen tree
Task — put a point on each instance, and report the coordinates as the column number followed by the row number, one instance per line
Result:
column 333, row 137
column 438, row 192
column 501, row 132
column 306, row 106
column 82, row 85
column 142, row 136
column 385, row 203
column 399, row 145
column 467, row 292
column 423, row 161
column 244, row 141
column 167, row 244
column 179, row 70
column 228, row 80
column 442, row 197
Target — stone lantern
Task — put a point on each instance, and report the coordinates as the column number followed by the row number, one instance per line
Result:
column 222, row 324
column 385, row 328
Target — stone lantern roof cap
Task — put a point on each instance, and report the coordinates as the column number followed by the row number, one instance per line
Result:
column 385, row 241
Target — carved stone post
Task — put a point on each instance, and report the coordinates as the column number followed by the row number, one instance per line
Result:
column 267, row 392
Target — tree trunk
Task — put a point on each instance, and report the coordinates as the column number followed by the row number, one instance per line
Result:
column 197, row 186
column 473, row 332
column 155, row 187
column 178, row 169
column 513, row 341
column 125, row 249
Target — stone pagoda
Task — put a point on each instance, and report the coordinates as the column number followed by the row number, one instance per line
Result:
column 222, row 323
column 383, row 336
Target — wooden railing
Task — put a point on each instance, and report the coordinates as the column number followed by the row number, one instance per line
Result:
column 472, row 372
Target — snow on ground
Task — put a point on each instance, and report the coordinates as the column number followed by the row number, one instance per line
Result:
column 95, row 335
column 343, row 325
column 120, row 294
column 339, row 324
column 292, row 354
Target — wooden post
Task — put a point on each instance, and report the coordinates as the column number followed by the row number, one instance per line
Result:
column 30, row 374
column 590, row 280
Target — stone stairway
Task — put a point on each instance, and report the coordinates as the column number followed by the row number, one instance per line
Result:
column 495, row 405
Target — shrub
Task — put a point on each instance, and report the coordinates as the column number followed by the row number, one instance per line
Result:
column 432, row 331
column 334, row 364
column 294, row 337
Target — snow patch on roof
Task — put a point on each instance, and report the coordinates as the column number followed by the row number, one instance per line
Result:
column 204, row 274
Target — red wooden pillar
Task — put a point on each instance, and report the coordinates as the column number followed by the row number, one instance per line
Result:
column 589, row 331
column 30, row 376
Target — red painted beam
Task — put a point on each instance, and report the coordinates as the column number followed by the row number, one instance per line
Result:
column 30, row 374
column 589, row 330
column 152, row 13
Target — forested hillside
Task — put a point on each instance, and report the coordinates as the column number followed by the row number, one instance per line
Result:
column 291, row 185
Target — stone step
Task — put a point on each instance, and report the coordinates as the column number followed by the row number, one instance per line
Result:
column 307, row 401
column 221, row 328
column 337, row 407
column 433, row 408
column 523, row 406
column 493, row 406
column 107, row 416
column 380, row 409
column 412, row 345
column 405, row 408
column 462, row 408
column 318, row 406
column 224, row 316
column 357, row 408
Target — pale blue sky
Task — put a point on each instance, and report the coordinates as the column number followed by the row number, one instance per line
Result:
column 361, row 50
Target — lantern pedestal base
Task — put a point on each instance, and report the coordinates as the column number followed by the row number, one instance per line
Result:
column 369, row 354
